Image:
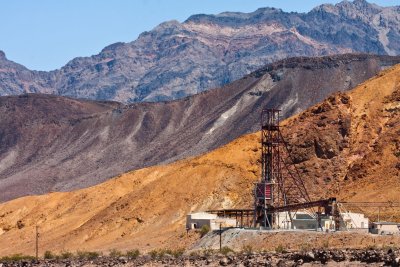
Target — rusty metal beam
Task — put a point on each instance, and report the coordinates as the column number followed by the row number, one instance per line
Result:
column 371, row 204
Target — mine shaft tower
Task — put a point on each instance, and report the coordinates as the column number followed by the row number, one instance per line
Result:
column 281, row 190
column 281, row 185
column 265, row 196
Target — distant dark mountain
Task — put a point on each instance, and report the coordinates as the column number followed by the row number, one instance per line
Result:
column 52, row 143
column 175, row 59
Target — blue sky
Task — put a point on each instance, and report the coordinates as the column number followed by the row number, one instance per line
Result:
column 46, row 34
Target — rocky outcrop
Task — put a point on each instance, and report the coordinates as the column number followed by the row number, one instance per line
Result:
column 175, row 59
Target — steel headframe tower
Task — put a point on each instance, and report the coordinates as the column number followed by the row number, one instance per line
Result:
column 264, row 195
column 279, row 186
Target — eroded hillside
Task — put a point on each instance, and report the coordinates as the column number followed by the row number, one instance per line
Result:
column 50, row 143
column 348, row 146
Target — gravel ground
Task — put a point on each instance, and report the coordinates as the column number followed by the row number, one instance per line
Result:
column 348, row 257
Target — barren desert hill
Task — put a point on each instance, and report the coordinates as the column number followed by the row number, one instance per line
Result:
column 348, row 146
column 51, row 143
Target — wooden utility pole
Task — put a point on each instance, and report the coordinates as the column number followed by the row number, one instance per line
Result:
column 220, row 236
column 379, row 214
column 37, row 242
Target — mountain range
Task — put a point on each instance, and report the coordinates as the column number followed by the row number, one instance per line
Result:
column 176, row 59
column 52, row 143
column 114, row 150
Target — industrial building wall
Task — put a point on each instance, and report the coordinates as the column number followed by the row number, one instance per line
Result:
column 378, row 228
column 197, row 223
column 301, row 220
column 198, row 220
column 354, row 221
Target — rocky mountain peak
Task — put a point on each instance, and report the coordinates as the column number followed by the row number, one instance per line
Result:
column 2, row 55
column 233, row 18
column 329, row 8
column 171, row 24
column 364, row 4
column 175, row 59
column 268, row 10
column 358, row 6
column 349, row 7
column 112, row 47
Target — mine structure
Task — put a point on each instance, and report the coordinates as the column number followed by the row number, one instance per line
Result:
column 281, row 188
column 281, row 199
column 281, row 191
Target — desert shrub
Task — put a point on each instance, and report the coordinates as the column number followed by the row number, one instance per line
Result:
column 133, row 254
column 247, row 249
column 16, row 257
column 226, row 250
column 66, row 255
column 162, row 252
column 391, row 246
column 114, row 253
column 159, row 253
column 177, row 252
column 154, row 254
column 87, row 255
column 208, row 252
column 194, row 254
column 48, row 255
column 325, row 244
column 280, row 249
column 20, row 224
column 305, row 247
column 204, row 230
column 6, row 228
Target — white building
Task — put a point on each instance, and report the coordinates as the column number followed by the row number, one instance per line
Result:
column 385, row 228
column 302, row 220
column 198, row 219
column 352, row 220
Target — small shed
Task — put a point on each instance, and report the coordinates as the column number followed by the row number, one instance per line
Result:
column 199, row 219
column 385, row 228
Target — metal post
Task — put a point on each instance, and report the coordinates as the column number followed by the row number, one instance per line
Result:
column 236, row 218
column 220, row 236
column 318, row 221
column 265, row 213
column 37, row 242
column 379, row 214
column 255, row 207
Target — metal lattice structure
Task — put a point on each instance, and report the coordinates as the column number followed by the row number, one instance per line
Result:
column 281, row 184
